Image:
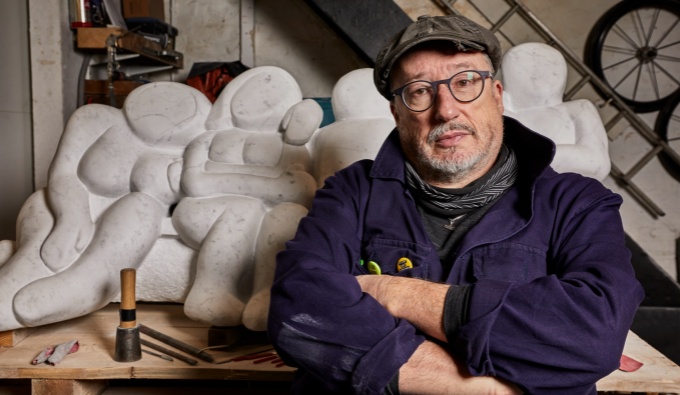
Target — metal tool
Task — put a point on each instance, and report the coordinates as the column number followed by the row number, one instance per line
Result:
column 161, row 356
column 128, row 346
column 187, row 348
column 171, row 353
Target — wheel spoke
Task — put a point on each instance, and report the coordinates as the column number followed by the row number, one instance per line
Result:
column 622, row 33
column 667, row 73
column 635, row 67
column 655, row 18
column 637, row 81
column 639, row 27
column 668, row 45
column 666, row 33
column 652, row 77
column 620, row 50
column 618, row 63
column 668, row 58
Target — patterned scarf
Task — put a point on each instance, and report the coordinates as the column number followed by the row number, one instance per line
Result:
column 477, row 194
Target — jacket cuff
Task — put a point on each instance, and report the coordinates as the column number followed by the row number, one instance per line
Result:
column 456, row 306
column 472, row 340
column 379, row 365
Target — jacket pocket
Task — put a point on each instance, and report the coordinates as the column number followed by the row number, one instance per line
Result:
column 396, row 257
column 509, row 262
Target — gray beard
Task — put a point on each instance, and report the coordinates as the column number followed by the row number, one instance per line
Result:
column 447, row 170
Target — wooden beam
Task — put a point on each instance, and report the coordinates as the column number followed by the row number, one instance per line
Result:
column 67, row 387
column 95, row 37
column 365, row 25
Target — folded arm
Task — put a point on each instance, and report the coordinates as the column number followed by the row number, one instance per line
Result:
column 432, row 369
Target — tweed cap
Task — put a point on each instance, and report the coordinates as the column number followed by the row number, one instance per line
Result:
column 464, row 33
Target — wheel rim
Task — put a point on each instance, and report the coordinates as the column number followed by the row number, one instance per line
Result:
column 668, row 128
column 640, row 55
column 673, row 130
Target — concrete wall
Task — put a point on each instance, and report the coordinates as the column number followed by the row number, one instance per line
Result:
column 16, row 180
column 286, row 33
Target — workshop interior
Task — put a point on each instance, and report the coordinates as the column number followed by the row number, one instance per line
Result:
column 62, row 56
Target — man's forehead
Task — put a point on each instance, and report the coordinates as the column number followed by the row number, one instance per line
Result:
column 411, row 64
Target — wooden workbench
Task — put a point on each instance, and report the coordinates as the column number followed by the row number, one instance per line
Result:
column 88, row 370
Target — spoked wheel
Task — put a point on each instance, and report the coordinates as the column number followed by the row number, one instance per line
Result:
column 635, row 49
column 668, row 128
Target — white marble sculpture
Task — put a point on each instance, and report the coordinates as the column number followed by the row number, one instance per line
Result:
column 362, row 122
column 111, row 183
column 247, row 186
column 534, row 78
column 116, row 176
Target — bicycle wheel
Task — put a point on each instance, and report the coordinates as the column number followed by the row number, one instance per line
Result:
column 635, row 49
column 667, row 126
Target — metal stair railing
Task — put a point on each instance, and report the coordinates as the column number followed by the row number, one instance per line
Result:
column 623, row 179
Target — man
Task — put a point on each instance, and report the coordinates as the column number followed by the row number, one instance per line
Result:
column 458, row 261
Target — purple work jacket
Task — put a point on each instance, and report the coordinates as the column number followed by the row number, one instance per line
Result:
column 554, row 291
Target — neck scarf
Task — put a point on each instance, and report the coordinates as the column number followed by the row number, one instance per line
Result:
column 477, row 194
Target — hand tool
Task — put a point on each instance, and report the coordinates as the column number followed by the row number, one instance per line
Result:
column 189, row 349
column 171, row 353
column 128, row 347
column 161, row 356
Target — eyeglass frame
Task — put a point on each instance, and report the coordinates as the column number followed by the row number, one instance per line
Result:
column 435, row 84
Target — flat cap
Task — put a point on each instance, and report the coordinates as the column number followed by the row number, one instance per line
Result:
column 464, row 33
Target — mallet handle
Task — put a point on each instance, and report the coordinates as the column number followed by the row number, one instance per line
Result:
column 128, row 314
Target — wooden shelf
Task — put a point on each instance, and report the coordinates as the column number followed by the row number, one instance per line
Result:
column 94, row 38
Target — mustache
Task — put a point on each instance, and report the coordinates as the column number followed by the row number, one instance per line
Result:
column 447, row 127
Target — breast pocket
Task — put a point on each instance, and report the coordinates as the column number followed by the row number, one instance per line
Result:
column 396, row 257
column 509, row 262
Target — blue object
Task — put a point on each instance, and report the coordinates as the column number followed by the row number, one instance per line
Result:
column 328, row 116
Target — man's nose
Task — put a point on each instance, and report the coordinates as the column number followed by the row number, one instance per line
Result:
column 446, row 107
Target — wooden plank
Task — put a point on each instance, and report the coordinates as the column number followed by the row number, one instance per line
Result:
column 67, row 387
column 96, row 336
column 95, row 37
column 658, row 374
column 12, row 338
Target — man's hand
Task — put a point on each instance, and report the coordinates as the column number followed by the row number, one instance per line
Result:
column 420, row 302
column 432, row 370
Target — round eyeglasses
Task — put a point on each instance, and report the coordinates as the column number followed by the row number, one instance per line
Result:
column 465, row 86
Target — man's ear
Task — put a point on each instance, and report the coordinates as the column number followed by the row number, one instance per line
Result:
column 393, row 109
column 498, row 94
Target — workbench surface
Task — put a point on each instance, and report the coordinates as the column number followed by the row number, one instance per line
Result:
column 96, row 336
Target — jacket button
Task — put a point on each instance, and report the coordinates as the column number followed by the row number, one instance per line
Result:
column 373, row 268
column 404, row 263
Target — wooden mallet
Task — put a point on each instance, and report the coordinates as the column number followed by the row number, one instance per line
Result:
column 128, row 345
